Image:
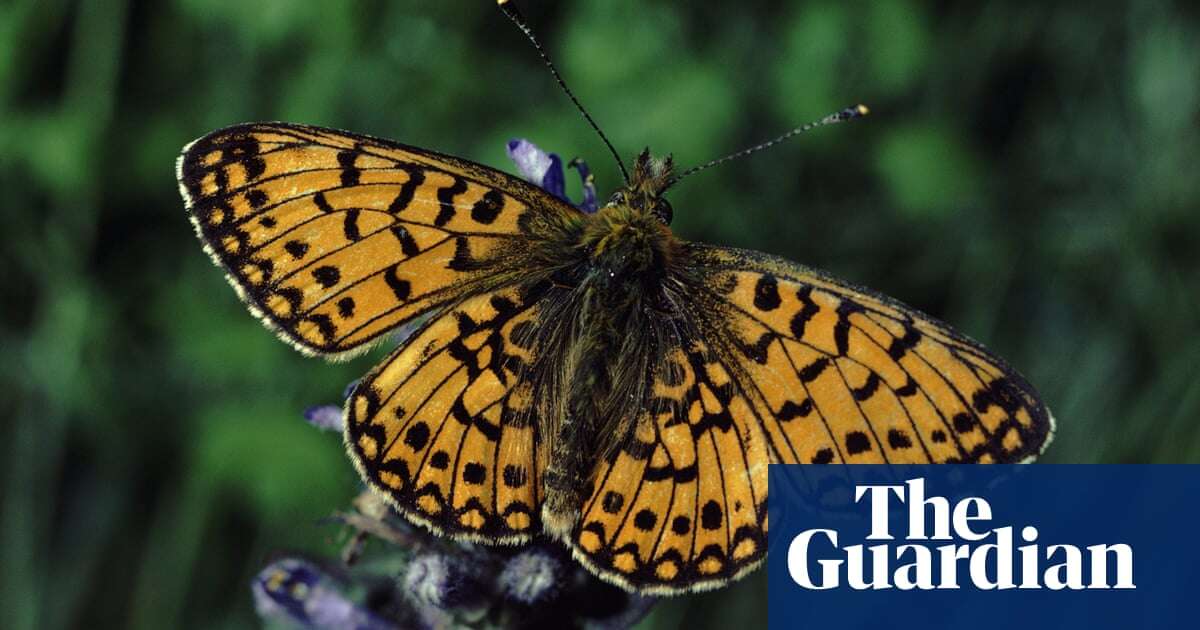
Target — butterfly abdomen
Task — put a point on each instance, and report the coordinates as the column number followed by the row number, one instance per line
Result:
column 625, row 254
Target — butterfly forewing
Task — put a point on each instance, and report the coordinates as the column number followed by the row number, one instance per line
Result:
column 852, row 376
column 335, row 239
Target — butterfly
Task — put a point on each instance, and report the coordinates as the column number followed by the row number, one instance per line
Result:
column 590, row 377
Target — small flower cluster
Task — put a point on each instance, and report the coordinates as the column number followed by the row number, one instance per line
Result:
column 412, row 578
column 420, row 580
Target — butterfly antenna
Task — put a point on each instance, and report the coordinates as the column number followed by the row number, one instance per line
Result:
column 516, row 18
column 850, row 113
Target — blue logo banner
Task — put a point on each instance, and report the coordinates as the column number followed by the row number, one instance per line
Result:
column 1001, row 546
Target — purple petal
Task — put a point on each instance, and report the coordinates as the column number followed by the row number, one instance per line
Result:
column 553, row 180
column 324, row 417
column 539, row 167
column 531, row 161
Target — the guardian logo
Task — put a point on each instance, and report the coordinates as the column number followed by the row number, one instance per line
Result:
column 973, row 554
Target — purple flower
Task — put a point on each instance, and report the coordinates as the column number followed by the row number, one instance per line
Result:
column 546, row 170
column 296, row 591
column 443, row 581
column 531, row 576
column 329, row 417
column 324, row 417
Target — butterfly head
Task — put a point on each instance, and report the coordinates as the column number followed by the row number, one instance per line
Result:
column 629, row 236
column 644, row 192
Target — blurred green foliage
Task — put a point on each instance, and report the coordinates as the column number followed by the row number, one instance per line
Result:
column 1029, row 175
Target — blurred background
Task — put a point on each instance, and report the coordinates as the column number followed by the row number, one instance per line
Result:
column 1029, row 174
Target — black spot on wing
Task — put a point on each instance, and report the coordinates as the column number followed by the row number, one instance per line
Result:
column 350, row 225
column 408, row 245
column 791, row 410
column 766, row 293
column 489, row 430
column 899, row 347
column 807, row 310
column 711, row 516
column 998, row 393
column 324, row 325
column 841, row 330
column 294, row 297
column 400, row 287
column 445, row 197
column 417, row 436
column 407, row 190
column 350, row 173
column 963, row 422
column 474, row 473
column 254, row 164
column 810, row 372
column 678, row 475
column 612, row 502
column 296, row 249
column 757, row 351
column 868, row 388
column 322, row 203
column 644, row 520
column 257, row 199
column 488, row 207
column 898, row 439
column 857, row 442
column 326, row 275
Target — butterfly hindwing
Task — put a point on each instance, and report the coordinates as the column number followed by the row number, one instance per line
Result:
column 847, row 375
column 682, row 505
column 335, row 238
column 445, row 427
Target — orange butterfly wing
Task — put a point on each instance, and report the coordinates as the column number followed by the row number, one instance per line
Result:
column 853, row 376
column 682, row 506
column 445, row 428
column 333, row 239
column 777, row 363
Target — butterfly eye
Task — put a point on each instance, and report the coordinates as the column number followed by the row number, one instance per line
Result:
column 617, row 199
column 664, row 211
